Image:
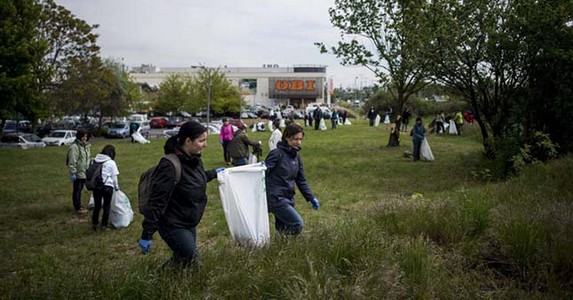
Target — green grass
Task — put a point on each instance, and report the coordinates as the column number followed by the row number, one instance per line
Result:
column 387, row 228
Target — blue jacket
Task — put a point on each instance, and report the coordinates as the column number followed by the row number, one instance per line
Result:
column 418, row 132
column 284, row 169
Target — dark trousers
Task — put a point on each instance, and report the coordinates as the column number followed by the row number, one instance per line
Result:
column 78, row 186
column 183, row 243
column 104, row 194
column 440, row 126
column 316, row 124
column 241, row 161
column 226, row 155
column 371, row 122
column 334, row 121
column 417, row 146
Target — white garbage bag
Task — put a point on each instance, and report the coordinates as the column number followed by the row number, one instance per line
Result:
column 242, row 192
column 377, row 120
column 347, row 122
column 270, row 126
column 322, row 125
column 139, row 138
column 452, row 128
column 387, row 119
column 120, row 213
column 91, row 203
column 252, row 159
column 282, row 123
column 426, row 151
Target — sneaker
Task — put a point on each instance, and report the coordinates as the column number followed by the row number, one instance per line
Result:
column 81, row 211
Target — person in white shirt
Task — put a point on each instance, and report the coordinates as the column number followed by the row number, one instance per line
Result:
column 276, row 136
column 109, row 174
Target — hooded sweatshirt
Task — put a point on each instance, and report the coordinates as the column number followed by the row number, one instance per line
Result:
column 79, row 158
column 109, row 170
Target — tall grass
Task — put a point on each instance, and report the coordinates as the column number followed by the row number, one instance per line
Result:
column 387, row 228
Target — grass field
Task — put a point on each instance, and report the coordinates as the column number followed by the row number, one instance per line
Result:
column 387, row 228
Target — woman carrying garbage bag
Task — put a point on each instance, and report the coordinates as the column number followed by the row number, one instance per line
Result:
column 284, row 170
column 175, row 209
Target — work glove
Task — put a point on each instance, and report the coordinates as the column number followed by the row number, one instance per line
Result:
column 315, row 204
column 219, row 170
column 73, row 177
column 145, row 245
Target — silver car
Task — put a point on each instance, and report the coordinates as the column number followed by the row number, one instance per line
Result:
column 21, row 141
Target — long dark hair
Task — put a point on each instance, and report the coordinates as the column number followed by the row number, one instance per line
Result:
column 292, row 130
column 109, row 150
column 190, row 129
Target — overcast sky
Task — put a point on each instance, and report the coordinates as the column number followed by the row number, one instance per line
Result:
column 235, row 33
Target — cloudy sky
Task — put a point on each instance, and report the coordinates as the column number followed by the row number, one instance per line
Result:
column 236, row 33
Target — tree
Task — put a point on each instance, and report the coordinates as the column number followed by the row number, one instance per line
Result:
column 386, row 36
column 174, row 94
column 20, row 54
column 225, row 98
column 482, row 54
column 71, row 43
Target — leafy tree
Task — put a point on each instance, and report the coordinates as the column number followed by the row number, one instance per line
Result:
column 174, row 94
column 386, row 36
column 71, row 44
column 225, row 98
column 483, row 53
column 20, row 54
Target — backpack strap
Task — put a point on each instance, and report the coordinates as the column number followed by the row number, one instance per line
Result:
column 172, row 157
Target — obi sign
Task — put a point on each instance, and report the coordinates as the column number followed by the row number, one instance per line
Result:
column 295, row 87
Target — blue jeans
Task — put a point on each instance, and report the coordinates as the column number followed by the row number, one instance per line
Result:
column 78, row 186
column 183, row 243
column 288, row 221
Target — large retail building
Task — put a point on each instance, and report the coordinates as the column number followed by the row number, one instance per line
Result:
column 268, row 85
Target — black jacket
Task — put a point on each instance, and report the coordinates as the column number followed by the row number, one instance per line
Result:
column 284, row 170
column 185, row 207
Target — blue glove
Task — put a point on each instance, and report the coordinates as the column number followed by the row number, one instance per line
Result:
column 315, row 204
column 219, row 170
column 73, row 177
column 145, row 245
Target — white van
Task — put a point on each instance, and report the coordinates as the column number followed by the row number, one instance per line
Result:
column 137, row 117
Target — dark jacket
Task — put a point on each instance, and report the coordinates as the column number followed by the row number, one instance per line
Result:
column 284, row 169
column 185, row 207
column 239, row 146
column 418, row 132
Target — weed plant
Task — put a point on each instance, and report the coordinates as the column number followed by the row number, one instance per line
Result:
column 388, row 228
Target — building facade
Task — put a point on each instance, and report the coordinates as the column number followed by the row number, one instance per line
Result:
column 269, row 85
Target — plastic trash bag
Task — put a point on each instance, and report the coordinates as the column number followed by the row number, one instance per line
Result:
column 347, row 122
column 252, row 159
column 452, row 128
column 244, row 199
column 426, row 151
column 377, row 120
column 139, row 138
column 322, row 125
column 387, row 119
column 91, row 203
column 120, row 214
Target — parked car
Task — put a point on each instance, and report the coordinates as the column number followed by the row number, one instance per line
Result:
column 10, row 126
column 175, row 122
column 158, row 122
column 171, row 132
column 118, row 130
column 60, row 138
column 21, row 141
column 326, row 112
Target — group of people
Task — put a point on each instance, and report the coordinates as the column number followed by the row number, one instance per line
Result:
column 177, row 206
column 78, row 162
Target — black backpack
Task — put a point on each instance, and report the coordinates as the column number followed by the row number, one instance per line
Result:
column 146, row 179
column 94, row 179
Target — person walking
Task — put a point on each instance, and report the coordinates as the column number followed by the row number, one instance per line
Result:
column 225, row 138
column 440, row 119
column 176, row 208
column 109, row 172
column 276, row 136
column 317, row 116
column 371, row 115
column 284, row 170
column 239, row 146
column 459, row 121
column 334, row 119
column 406, row 119
column 78, row 161
column 418, row 134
